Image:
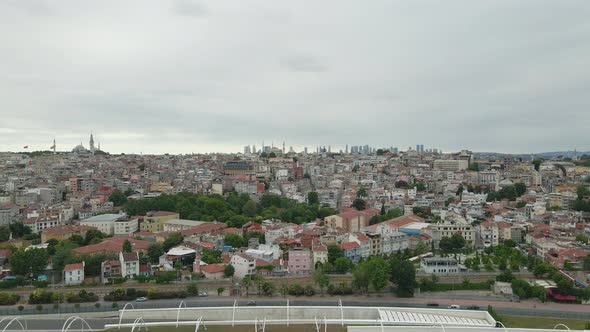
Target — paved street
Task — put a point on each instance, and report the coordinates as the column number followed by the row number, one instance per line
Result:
column 526, row 308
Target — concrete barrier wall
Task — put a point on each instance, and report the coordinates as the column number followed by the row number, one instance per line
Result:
column 280, row 313
column 438, row 328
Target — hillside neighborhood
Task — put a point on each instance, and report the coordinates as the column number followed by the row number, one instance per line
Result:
column 415, row 220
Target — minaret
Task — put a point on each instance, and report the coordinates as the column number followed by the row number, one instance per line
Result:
column 283, row 147
column 92, row 143
column 53, row 146
column 99, row 146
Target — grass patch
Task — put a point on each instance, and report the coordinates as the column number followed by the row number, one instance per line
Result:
column 541, row 322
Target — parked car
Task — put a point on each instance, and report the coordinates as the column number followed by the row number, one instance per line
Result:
column 454, row 306
column 141, row 299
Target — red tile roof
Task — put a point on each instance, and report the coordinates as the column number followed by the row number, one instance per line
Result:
column 75, row 266
column 212, row 268
column 349, row 245
column 113, row 244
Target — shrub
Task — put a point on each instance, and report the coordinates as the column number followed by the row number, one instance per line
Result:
column 7, row 284
column 192, row 289
column 97, row 305
column 296, row 290
column 39, row 307
column 342, row 289
column 20, row 308
column 155, row 294
column 114, row 305
column 40, row 296
column 309, row 291
column 165, row 278
column 9, row 299
column 40, row 284
column 118, row 294
column 143, row 279
column 81, row 297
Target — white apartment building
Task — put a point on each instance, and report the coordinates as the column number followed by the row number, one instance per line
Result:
column 129, row 264
column 126, row 226
column 244, row 265
column 74, row 273
column 439, row 265
column 104, row 222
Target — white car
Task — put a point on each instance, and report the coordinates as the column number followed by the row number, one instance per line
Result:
column 141, row 299
column 454, row 306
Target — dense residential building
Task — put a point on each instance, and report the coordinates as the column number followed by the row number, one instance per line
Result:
column 104, row 222
column 154, row 221
column 299, row 261
column 244, row 265
column 73, row 274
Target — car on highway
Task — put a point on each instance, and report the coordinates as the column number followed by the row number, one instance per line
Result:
column 473, row 307
column 141, row 299
column 251, row 303
column 203, row 294
column 432, row 304
column 454, row 306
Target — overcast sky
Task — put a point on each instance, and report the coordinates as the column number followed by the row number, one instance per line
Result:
column 200, row 76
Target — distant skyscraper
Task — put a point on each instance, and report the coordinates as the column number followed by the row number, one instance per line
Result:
column 247, row 149
column 305, row 150
column 346, row 149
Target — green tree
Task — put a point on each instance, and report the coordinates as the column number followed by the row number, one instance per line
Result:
column 172, row 240
column 520, row 188
column 359, row 204
column 4, row 233
column 334, row 252
column 118, row 198
column 19, row 229
column 93, row 235
column 321, row 279
column 342, row 265
column 537, row 163
column 235, row 240
column 582, row 238
column 228, row 271
column 403, row 274
column 155, row 250
column 211, row 256
column 250, row 208
column 313, row 198
column 362, row 192
column 127, row 246
column 361, row 277
column 29, row 262
column 268, row 288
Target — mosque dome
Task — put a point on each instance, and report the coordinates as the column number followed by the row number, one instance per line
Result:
column 79, row 149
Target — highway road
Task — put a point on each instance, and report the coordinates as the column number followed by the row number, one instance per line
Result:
column 527, row 308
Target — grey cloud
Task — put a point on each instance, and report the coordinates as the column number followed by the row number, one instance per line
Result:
column 496, row 75
column 303, row 63
column 190, row 8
